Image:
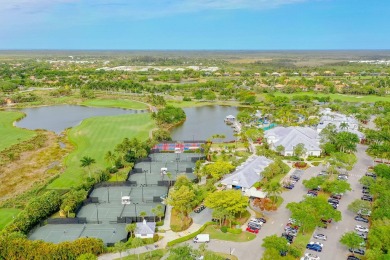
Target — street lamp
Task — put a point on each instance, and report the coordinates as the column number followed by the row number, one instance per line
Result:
column 145, row 171
column 142, row 187
column 97, row 212
column 135, row 206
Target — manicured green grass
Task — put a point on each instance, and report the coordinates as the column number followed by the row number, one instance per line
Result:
column 195, row 103
column 218, row 234
column 9, row 134
column 94, row 137
column 342, row 97
column 121, row 103
column 6, row 216
column 152, row 255
column 302, row 240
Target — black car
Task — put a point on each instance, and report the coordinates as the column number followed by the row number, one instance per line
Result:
column 294, row 177
column 366, row 187
column 336, row 196
column 370, row 174
column 367, row 197
column 333, row 201
column 352, row 257
column 314, row 192
column 290, row 238
column 362, row 235
column 361, row 219
column 289, row 186
column 317, row 189
column 367, row 191
column 357, row 251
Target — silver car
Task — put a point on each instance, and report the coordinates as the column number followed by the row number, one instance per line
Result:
column 320, row 237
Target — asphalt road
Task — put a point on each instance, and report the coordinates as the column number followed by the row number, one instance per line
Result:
column 333, row 249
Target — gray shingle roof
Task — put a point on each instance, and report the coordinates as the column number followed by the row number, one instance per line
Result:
column 247, row 173
column 289, row 137
column 144, row 228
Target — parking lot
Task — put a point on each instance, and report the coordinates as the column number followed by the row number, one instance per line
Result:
column 333, row 249
column 277, row 220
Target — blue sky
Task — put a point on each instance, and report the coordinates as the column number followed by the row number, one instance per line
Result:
column 195, row 24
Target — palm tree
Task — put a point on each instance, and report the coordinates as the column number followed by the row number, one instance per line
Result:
column 158, row 212
column 87, row 162
column 273, row 189
column 143, row 214
column 344, row 126
column 131, row 228
column 110, row 157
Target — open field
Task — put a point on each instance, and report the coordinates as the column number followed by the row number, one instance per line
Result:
column 6, row 216
column 342, row 97
column 94, row 137
column 9, row 134
column 119, row 103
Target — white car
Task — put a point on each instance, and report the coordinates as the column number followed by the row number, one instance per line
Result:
column 291, row 220
column 253, row 220
column 309, row 256
column 317, row 243
column 361, row 228
column 320, row 237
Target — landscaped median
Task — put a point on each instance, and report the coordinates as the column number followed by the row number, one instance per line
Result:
column 216, row 233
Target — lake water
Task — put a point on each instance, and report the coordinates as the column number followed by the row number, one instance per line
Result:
column 58, row 118
column 203, row 122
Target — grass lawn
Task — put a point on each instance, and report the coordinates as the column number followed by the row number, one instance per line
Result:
column 152, row 255
column 279, row 200
column 9, row 134
column 6, row 216
column 302, row 240
column 342, row 97
column 227, row 256
column 94, row 137
column 216, row 233
column 195, row 103
column 121, row 103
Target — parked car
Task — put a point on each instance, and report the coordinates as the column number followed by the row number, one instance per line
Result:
column 317, row 189
column 352, row 257
column 366, row 187
column 361, row 219
column 342, row 177
column 336, row 196
column 323, row 173
column 310, row 256
column 256, row 221
column 314, row 247
column 199, row 209
column 367, row 197
column 294, row 177
column 311, row 195
column 292, row 232
column 357, row 251
column 289, row 186
column 320, row 237
column 262, row 220
column 292, row 221
column 312, row 192
column 364, row 212
column 362, row 235
column 289, row 238
column 334, row 205
column 252, row 230
column 254, row 225
column 366, row 191
column 316, row 243
column 333, row 201
column 371, row 174
column 361, row 228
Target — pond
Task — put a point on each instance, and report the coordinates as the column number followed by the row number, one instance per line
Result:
column 58, row 118
column 203, row 122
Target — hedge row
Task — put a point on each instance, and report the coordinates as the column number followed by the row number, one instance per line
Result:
column 192, row 235
column 16, row 246
column 36, row 210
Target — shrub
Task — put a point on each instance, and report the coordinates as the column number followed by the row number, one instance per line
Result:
column 159, row 223
column 224, row 229
column 300, row 164
column 112, row 169
column 315, row 163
